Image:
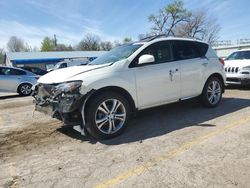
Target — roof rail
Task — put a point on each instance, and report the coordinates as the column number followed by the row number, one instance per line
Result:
column 150, row 38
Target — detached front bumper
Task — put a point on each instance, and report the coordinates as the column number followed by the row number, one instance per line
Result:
column 65, row 107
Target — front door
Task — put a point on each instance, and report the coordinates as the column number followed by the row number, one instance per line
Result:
column 158, row 82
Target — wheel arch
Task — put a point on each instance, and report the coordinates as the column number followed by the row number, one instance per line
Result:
column 115, row 89
column 220, row 77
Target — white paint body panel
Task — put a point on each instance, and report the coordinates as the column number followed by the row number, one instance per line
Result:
column 149, row 85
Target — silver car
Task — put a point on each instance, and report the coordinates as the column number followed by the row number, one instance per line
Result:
column 16, row 80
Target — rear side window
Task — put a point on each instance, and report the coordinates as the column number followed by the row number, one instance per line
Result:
column 185, row 50
column 63, row 65
column 17, row 72
column 202, row 47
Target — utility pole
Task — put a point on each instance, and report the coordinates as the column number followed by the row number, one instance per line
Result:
column 55, row 41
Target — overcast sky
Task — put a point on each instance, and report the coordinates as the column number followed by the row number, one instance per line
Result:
column 32, row 20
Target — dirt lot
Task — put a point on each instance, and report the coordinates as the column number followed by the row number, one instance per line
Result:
column 178, row 145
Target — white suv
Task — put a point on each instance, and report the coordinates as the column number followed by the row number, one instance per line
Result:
column 103, row 95
column 237, row 67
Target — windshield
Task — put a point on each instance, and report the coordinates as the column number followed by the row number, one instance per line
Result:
column 239, row 55
column 116, row 54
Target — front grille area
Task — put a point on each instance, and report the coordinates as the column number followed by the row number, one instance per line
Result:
column 232, row 69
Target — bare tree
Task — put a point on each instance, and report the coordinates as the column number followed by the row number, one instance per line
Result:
column 106, row 46
column 127, row 40
column 212, row 31
column 195, row 27
column 16, row 44
column 63, row 47
column 169, row 18
column 199, row 26
column 89, row 42
column 142, row 36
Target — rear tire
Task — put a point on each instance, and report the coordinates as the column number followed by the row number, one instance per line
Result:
column 24, row 89
column 107, row 115
column 212, row 92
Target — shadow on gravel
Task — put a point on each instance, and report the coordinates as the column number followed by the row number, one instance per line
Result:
column 238, row 87
column 165, row 119
column 12, row 96
column 69, row 131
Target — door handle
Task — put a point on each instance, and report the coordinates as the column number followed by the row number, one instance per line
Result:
column 171, row 73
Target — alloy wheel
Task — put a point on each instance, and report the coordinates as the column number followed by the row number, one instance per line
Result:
column 25, row 89
column 110, row 116
column 214, row 92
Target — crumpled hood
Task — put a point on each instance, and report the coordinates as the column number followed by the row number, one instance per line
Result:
column 64, row 74
column 237, row 63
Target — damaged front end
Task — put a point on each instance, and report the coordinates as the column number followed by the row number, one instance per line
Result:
column 62, row 101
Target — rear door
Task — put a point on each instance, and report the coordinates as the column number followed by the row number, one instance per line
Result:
column 193, row 65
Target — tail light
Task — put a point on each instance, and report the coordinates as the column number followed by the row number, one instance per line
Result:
column 222, row 61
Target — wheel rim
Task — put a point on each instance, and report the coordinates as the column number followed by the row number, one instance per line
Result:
column 110, row 116
column 214, row 92
column 25, row 89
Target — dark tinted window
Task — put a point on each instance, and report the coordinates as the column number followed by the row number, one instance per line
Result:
column 161, row 51
column 10, row 71
column 63, row 65
column 1, row 71
column 202, row 47
column 35, row 70
column 239, row 55
column 185, row 50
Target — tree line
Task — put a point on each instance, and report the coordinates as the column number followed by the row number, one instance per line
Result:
column 172, row 20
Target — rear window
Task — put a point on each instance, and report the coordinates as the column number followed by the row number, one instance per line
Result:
column 239, row 55
column 185, row 50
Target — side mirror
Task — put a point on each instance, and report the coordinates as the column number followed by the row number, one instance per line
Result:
column 144, row 59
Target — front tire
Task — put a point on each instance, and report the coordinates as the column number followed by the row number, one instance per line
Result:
column 212, row 92
column 107, row 115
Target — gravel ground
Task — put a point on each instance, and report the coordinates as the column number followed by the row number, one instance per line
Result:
column 177, row 145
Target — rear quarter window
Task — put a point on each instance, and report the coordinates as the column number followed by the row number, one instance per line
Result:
column 202, row 47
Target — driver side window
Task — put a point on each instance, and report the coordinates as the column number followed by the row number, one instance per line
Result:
column 161, row 51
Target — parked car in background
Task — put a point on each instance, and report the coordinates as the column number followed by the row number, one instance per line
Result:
column 237, row 67
column 35, row 70
column 103, row 95
column 70, row 63
column 17, row 80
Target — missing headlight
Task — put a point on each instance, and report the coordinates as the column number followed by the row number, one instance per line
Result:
column 67, row 87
